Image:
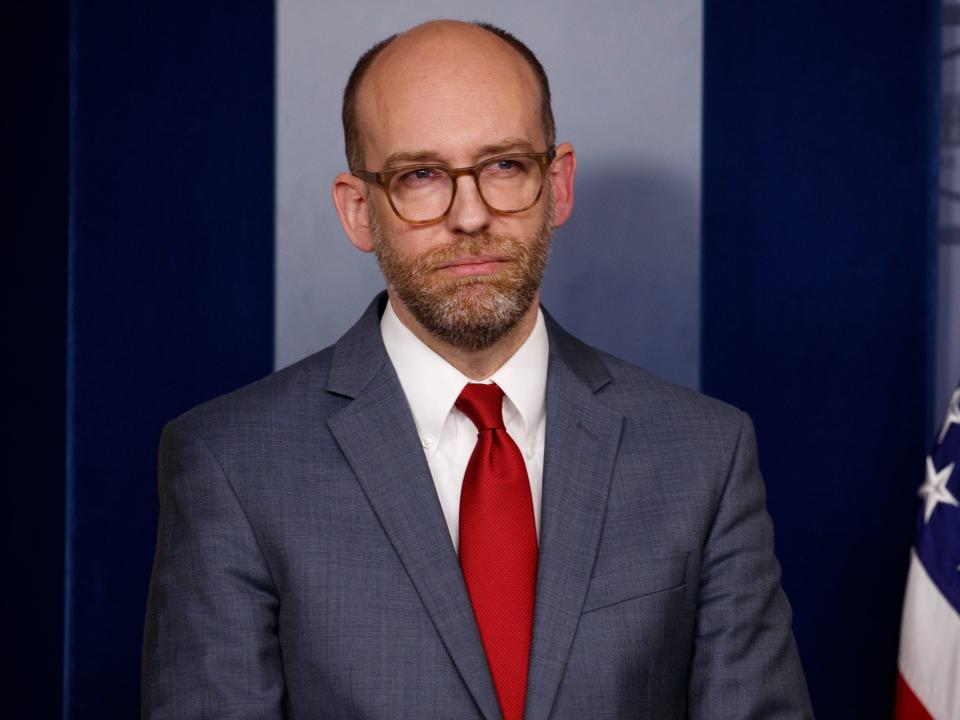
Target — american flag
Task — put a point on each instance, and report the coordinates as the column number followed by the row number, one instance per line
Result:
column 928, row 684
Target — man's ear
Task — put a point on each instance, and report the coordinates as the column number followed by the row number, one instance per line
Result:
column 562, row 170
column 350, row 199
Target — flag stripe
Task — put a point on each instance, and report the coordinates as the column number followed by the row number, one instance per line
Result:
column 908, row 706
column 929, row 638
column 936, row 551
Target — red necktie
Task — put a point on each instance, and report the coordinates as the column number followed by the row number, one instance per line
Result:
column 498, row 546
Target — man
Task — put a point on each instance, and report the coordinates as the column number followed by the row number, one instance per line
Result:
column 459, row 510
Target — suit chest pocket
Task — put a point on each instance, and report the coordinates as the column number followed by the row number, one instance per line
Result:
column 644, row 576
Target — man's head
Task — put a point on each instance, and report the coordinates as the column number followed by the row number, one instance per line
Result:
column 453, row 94
column 351, row 130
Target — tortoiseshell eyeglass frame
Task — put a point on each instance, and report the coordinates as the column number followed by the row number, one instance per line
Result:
column 384, row 177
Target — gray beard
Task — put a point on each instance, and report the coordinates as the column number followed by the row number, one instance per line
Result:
column 471, row 313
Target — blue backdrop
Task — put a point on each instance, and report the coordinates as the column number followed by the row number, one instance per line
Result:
column 142, row 283
column 819, row 211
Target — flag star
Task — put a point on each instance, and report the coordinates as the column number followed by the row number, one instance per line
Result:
column 935, row 490
column 953, row 415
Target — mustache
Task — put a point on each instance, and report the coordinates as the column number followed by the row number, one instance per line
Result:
column 484, row 243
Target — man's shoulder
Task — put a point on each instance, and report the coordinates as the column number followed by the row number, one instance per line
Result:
column 635, row 386
column 276, row 399
column 671, row 421
column 638, row 393
column 653, row 406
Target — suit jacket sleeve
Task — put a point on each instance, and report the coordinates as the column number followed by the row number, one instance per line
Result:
column 210, row 643
column 745, row 662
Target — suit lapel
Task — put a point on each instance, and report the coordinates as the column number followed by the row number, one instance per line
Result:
column 378, row 437
column 582, row 438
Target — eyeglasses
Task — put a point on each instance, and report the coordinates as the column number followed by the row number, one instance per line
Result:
column 423, row 194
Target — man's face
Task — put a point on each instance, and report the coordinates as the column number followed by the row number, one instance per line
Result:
column 456, row 99
column 452, row 296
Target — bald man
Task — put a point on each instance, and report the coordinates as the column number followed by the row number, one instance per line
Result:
column 459, row 510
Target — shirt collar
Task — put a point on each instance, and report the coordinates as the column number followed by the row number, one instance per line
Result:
column 523, row 377
column 432, row 385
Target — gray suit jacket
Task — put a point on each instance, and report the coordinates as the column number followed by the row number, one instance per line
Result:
column 304, row 569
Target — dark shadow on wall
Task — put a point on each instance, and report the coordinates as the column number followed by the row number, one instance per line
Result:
column 624, row 275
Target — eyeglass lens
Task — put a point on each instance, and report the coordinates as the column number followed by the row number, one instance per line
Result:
column 506, row 184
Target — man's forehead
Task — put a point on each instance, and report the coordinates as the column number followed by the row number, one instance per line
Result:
column 447, row 42
column 446, row 72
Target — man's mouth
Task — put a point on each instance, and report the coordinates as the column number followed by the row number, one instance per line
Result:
column 474, row 265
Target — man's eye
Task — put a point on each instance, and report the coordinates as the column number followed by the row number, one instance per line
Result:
column 507, row 167
column 419, row 176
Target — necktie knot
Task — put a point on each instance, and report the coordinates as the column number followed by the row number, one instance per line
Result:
column 483, row 404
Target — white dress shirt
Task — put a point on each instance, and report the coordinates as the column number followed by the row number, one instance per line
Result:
column 432, row 385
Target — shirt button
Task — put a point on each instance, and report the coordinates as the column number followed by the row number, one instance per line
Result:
column 428, row 441
column 531, row 446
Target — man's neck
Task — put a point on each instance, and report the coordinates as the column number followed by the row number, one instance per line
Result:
column 475, row 364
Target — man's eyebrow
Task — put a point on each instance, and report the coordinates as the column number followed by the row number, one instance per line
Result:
column 403, row 158
column 507, row 145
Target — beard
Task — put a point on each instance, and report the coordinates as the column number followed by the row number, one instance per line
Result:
column 473, row 312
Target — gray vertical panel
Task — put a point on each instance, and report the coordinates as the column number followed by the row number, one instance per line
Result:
column 626, row 79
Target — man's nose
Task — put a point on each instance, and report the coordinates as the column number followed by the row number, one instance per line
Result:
column 468, row 214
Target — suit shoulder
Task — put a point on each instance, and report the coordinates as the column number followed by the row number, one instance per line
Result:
column 636, row 391
column 280, row 394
